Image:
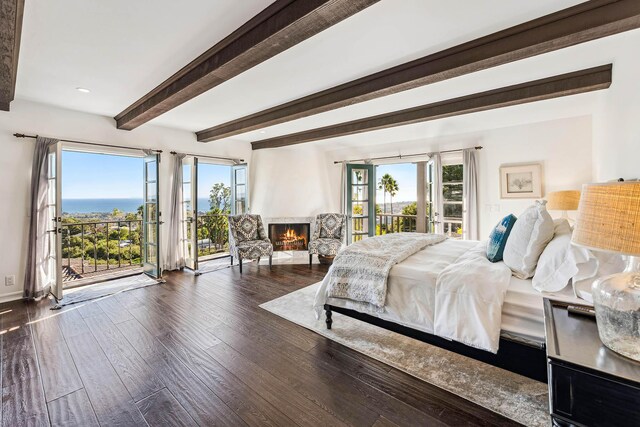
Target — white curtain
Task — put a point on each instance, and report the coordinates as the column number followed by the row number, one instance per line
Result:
column 175, row 249
column 438, row 207
column 470, row 195
column 40, row 270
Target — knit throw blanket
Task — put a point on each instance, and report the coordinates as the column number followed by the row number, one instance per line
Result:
column 360, row 271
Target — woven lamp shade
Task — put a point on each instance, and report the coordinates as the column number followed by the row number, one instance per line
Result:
column 563, row 200
column 609, row 218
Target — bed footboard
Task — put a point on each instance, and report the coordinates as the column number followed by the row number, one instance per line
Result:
column 518, row 357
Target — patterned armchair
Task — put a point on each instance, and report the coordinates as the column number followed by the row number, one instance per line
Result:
column 328, row 236
column 247, row 238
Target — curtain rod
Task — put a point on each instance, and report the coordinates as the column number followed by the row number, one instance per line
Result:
column 22, row 135
column 236, row 161
column 400, row 156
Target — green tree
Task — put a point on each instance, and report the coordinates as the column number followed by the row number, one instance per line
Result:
column 383, row 184
column 410, row 209
column 220, row 198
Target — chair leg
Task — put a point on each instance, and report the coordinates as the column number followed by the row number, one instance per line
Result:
column 258, row 261
column 310, row 259
column 240, row 262
column 231, row 256
column 270, row 262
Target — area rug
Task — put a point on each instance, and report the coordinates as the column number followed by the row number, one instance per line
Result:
column 514, row 396
column 100, row 290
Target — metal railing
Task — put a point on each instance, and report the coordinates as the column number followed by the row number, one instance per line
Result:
column 395, row 223
column 100, row 246
column 213, row 234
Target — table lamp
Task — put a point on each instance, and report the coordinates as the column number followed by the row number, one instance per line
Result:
column 609, row 220
column 564, row 201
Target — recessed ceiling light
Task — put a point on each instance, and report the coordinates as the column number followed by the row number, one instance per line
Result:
column 83, row 90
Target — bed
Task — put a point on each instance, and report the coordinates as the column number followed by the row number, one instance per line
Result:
column 410, row 303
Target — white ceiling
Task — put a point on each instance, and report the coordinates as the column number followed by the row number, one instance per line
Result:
column 121, row 49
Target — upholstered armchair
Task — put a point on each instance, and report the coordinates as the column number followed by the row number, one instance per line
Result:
column 247, row 239
column 328, row 235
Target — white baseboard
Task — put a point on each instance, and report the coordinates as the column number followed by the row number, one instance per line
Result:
column 11, row 296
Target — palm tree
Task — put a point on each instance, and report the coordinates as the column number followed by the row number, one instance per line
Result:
column 383, row 185
column 392, row 189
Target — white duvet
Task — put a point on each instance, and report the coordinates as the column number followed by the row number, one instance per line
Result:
column 469, row 298
column 443, row 289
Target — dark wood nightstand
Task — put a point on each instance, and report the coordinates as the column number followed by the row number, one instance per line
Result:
column 589, row 385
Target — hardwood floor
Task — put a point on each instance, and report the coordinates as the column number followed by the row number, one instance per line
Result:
column 199, row 351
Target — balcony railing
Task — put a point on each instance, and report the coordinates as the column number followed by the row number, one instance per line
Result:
column 213, row 234
column 94, row 248
column 395, row 223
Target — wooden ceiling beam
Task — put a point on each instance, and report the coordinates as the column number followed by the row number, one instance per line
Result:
column 581, row 23
column 280, row 26
column 11, row 12
column 553, row 87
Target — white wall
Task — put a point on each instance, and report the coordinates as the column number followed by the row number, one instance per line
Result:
column 303, row 181
column 15, row 167
column 296, row 181
column 617, row 124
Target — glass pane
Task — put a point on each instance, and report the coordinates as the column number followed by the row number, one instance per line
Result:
column 151, row 192
column 241, row 192
column 188, row 210
column 52, row 165
column 452, row 211
column 186, row 192
column 240, row 206
column 151, row 212
column 186, row 174
column 241, row 176
column 453, row 229
column 360, row 209
column 452, row 192
column 359, row 193
column 452, row 173
column 359, row 176
column 151, row 233
column 151, row 171
column 152, row 254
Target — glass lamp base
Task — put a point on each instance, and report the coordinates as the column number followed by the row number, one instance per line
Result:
column 617, row 303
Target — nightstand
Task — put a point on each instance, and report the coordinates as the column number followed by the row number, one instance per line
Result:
column 589, row 385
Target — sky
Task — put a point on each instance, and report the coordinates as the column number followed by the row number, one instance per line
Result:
column 405, row 175
column 94, row 176
column 209, row 174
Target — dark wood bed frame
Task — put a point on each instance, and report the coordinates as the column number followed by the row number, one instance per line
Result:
column 524, row 359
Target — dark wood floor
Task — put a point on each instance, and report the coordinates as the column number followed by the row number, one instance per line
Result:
column 199, row 351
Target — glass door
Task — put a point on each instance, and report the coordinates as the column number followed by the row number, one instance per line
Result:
column 190, row 211
column 239, row 190
column 54, row 220
column 361, row 203
column 430, row 197
column 151, row 218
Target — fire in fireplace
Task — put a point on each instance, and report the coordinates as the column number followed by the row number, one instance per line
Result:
column 289, row 237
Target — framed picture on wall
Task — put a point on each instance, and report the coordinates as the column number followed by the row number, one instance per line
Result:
column 521, row 181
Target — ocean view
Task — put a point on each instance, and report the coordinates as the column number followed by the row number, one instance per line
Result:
column 86, row 206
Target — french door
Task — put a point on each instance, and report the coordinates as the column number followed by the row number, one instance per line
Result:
column 190, row 211
column 361, row 204
column 151, row 218
column 239, row 190
column 54, row 220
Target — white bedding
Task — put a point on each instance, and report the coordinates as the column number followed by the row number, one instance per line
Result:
column 411, row 291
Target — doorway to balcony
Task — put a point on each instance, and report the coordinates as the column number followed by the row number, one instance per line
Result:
column 211, row 192
column 109, row 220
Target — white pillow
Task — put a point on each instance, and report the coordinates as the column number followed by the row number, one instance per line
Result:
column 597, row 265
column 529, row 236
column 557, row 264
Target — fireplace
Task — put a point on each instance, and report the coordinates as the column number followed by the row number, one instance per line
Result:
column 289, row 237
